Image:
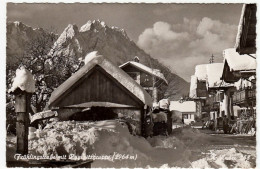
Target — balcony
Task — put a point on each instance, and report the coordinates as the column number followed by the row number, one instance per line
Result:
column 244, row 97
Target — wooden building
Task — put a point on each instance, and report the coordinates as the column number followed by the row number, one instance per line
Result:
column 237, row 69
column 101, row 90
column 246, row 36
column 150, row 79
column 198, row 89
column 220, row 100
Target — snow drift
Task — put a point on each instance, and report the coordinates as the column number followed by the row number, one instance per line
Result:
column 106, row 138
column 23, row 80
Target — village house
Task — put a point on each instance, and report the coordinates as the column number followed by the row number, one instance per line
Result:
column 219, row 92
column 150, row 79
column 101, row 90
column 241, row 71
column 185, row 110
column 211, row 94
column 198, row 90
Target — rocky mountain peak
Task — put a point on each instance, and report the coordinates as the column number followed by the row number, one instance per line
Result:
column 95, row 25
column 111, row 42
column 69, row 32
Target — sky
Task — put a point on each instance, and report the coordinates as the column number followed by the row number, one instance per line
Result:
column 180, row 36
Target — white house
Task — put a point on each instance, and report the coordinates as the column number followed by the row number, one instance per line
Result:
column 185, row 110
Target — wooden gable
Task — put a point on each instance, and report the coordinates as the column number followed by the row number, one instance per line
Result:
column 229, row 76
column 246, row 38
column 146, row 79
column 97, row 86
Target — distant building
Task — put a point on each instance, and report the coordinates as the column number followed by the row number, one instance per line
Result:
column 198, row 89
column 184, row 110
column 150, row 79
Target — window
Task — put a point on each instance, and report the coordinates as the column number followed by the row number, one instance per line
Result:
column 185, row 116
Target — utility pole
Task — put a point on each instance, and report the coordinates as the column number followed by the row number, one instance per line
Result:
column 211, row 60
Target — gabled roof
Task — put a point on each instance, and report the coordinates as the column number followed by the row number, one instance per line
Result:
column 118, row 74
column 153, row 72
column 186, row 106
column 246, row 35
column 237, row 62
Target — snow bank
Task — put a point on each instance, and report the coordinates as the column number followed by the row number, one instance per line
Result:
column 226, row 158
column 23, row 80
column 239, row 62
column 106, row 138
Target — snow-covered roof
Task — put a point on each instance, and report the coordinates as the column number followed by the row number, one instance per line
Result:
column 186, row 106
column 239, row 62
column 149, row 70
column 214, row 73
column 100, row 104
column 201, row 71
column 23, row 80
column 193, row 86
column 246, row 34
column 43, row 115
column 93, row 59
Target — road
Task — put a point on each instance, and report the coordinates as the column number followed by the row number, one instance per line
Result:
column 242, row 143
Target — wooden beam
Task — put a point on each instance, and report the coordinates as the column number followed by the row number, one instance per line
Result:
column 22, row 108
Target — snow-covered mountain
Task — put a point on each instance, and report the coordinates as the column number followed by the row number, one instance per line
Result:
column 111, row 42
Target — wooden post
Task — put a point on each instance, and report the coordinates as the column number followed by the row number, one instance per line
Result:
column 155, row 95
column 22, row 105
column 231, row 106
column 198, row 108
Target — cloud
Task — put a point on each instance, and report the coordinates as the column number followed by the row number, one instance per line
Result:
column 184, row 45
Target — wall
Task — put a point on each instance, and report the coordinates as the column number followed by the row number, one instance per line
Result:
column 98, row 86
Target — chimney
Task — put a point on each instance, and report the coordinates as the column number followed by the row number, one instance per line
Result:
column 136, row 59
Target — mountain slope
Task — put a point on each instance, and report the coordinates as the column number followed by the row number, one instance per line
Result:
column 18, row 37
column 111, row 42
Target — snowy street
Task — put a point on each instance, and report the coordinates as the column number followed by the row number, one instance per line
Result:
column 244, row 144
column 185, row 147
